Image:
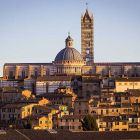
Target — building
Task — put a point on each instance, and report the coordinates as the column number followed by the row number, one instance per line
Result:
column 13, row 113
column 81, row 106
column 91, row 86
column 123, row 84
column 61, row 96
column 49, row 84
column 70, row 62
column 71, row 122
column 10, row 95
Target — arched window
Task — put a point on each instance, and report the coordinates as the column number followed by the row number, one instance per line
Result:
column 23, row 74
column 11, row 74
column 36, row 74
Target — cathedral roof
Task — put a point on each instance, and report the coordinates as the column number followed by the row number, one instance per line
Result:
column 68, row 53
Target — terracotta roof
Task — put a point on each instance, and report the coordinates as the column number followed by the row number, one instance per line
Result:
column 55, row 78
column 116, row 63
column 73, row 116
column 27, row 64
column 127, row 79
column 48, row 95
column 14, row 105
column 67, row 135
column 42, row 107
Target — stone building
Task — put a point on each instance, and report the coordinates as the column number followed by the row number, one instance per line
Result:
column 70, row 62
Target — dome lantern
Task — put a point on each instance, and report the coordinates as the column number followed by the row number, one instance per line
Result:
column 69, row 41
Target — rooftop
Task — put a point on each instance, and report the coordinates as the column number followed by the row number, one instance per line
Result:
column 67, row 135
column 55, row 78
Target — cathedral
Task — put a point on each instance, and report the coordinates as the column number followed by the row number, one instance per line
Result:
column 71, row 62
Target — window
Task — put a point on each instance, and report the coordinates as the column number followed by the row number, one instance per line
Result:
column 40, row 122
column 3, row 109
column 124, row 123
column 124, row 129
column 87, row 51
column 28, row 109
column 13, row 110
column 11, row 74
column 101, row 112
column 116, row 129
column 136, row 109
column 100, row 126
column 116, row 123
column 3, row 115
column 9, row 109
column 133, row 126
column 36, row 73
column 137, row 100
column 120, row 84
column 18, row 115
column 126, row 98
column 23, row 74
column 79, row 127
column 107, row 111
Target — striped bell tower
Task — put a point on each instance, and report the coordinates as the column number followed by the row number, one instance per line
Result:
column 87, row 38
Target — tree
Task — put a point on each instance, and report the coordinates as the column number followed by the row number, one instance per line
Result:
column 89, row 123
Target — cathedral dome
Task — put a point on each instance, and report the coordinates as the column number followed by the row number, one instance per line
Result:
column 68, row 53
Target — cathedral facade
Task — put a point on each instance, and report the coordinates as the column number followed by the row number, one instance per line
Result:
column 70, row 62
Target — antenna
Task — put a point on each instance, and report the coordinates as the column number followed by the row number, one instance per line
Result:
column 87, row 5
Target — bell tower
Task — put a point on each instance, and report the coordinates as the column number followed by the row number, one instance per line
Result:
column 87, row 40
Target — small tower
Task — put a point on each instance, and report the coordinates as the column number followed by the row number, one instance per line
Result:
column 87, row 40
column 69, row 41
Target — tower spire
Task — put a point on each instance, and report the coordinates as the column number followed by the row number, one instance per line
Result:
column 86, row 5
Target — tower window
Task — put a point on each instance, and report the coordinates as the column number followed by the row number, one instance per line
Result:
column 23, row 74
column 87, row 59
column 36, row 74
column 87, row 51
column 11, row 75
column 88, row 44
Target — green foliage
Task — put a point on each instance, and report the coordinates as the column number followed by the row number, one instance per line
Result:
column 89, row 123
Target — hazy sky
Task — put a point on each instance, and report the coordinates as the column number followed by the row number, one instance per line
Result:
column 35, row 30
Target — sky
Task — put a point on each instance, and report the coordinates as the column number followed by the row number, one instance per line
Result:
column 34, row 31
